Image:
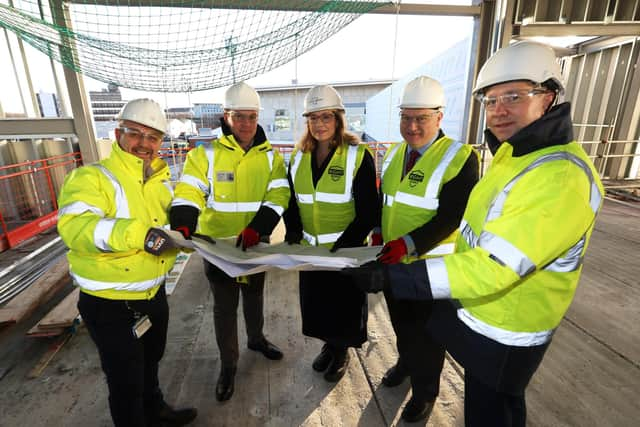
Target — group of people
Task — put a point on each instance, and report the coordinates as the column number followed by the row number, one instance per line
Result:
column 481, row 268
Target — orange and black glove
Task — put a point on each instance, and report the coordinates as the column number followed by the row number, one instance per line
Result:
column 158, row 241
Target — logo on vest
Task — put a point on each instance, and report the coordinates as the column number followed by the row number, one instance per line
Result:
column 415, row 177
column 336, row 172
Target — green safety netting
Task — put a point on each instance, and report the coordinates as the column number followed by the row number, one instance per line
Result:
column 174, row 45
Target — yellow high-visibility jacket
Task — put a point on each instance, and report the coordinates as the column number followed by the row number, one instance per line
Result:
column 228, row 185
column 521, row 244
column 105, row 211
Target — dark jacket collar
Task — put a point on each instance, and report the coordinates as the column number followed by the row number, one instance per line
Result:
column 553, row 128
column 260, row 137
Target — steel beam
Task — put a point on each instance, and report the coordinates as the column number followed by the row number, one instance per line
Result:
column 47, row 127
column 309, row 6
column 576, row 29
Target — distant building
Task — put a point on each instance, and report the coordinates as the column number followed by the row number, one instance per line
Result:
column 48, row 104
column 282, row 107
column 105, row 106
column 207, row 115
column 180, row 113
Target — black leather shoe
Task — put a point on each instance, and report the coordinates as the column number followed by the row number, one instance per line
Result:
column 338, row 366
column 224, row 387
column 417, row 410
column 169, row 417
column 394, row 376
column 269, row 350
column 322, row 360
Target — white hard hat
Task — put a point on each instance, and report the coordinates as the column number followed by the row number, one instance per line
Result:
column 145, row 111
column 423, row 92
column 523, row 60
column 322, row 98
column 241, row 96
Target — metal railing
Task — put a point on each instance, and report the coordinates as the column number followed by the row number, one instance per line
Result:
column 28, row 193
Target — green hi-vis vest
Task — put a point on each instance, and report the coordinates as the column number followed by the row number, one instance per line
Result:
column 521, row 245
column 329, row 208
column 412, row 201
column 228, row 185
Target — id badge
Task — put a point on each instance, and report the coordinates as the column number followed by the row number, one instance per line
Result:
column 141, row 326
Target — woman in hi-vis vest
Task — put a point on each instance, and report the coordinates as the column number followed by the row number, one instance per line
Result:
column 333, row 203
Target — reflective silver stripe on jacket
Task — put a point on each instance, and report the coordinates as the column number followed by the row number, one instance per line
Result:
column 321, row 238
column 389, row 158
column 302, row 198
column 102, row 232
column 503, row 336
column 234, row 206
column 195, row 182
column 104, row 227
column 122, row 205
column 345, row 196
column 430, row 198
column 277, row 208
column 438, row 278
column 169, row 187
column 95, row 285
column 277, row 183
column 508, row 254
column 184, row 202
column 77, row 208
column 444, row 249
column 295, row 164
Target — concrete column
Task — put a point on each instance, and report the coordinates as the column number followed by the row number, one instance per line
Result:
column 80, row 105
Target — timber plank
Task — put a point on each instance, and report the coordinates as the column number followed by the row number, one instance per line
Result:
column 63, row 314
column 39, row 292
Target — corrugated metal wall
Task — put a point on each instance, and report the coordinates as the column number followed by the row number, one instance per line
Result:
column 603, row 86
column 603, row 78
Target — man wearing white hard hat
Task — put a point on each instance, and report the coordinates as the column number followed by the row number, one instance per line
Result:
column 234, row 188
column 333, row 203
column 425, row 183
column 111, row 217
column 522, row 239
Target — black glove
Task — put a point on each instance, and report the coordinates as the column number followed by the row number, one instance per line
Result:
column 371, row 277
column 293, row 238
column 157, row 241
column 203, row 237
column 184, row 219
column 337, row 245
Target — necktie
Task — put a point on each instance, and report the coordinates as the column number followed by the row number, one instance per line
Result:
column 413, row 157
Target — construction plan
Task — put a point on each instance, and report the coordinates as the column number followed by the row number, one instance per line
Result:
column 264, row 257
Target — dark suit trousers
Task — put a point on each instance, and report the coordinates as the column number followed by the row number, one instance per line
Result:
column 129, row 363
column 226, row 296
column 420, row 356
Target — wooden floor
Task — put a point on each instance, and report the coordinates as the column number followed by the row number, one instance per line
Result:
column 590, row 376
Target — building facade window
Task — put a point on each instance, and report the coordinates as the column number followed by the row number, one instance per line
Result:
column 282, row 120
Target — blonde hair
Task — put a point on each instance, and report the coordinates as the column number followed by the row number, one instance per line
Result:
column 308, row 143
